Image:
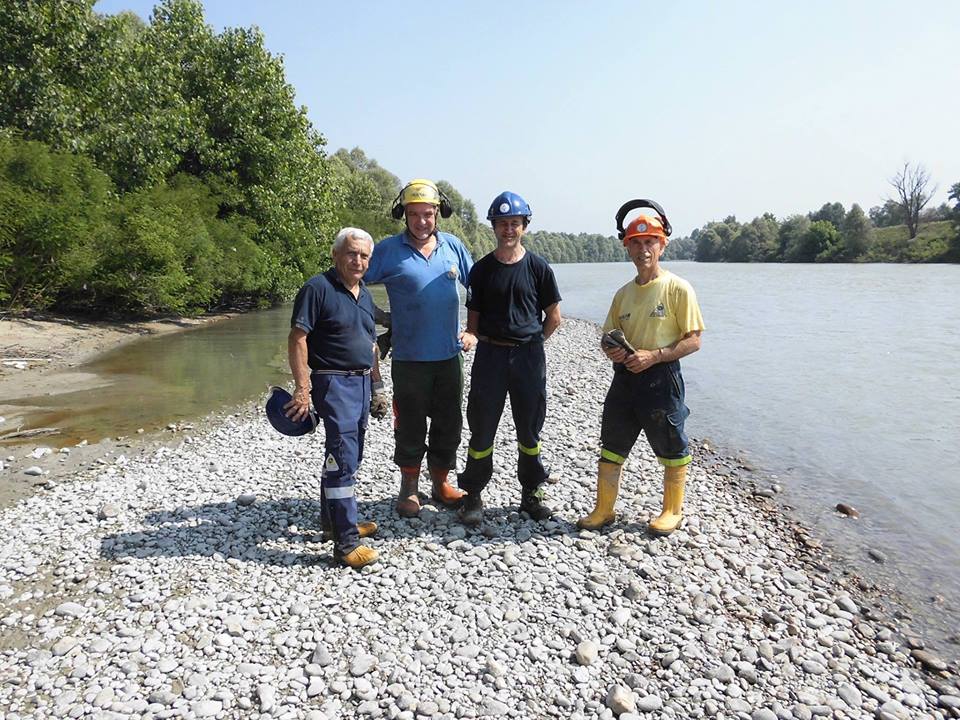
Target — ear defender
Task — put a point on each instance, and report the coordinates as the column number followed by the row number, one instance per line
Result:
column 446, row 209
column 634, row 205
column 396, row 210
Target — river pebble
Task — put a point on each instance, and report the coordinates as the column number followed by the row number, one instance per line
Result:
column 192, row 581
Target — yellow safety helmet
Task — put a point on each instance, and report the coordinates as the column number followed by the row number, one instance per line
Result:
column 421, row 191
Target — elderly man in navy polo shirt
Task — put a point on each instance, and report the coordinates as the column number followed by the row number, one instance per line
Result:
column 331, row 349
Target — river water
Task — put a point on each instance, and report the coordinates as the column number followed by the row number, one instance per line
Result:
column 844, row 382
column 840, row 380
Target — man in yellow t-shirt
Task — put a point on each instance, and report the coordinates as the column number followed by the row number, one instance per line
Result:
column 659, row 316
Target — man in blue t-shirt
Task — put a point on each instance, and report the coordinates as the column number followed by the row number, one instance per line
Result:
column 420, row 268
column 512, row 308
column 331, row 353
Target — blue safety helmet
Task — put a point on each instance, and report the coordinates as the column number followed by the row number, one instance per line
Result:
column 281, row 423
column 508, row 204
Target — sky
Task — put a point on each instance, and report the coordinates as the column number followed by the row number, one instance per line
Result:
column 712, row 109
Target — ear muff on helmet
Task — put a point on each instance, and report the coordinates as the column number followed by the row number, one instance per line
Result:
column 408, row 195
column 636, row 204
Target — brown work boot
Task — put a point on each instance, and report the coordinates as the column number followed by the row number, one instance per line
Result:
column 366, row 528
column 358, row 557
column 408, row 501
column 442, row 491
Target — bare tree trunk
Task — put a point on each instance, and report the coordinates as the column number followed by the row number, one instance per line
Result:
column 911, row 184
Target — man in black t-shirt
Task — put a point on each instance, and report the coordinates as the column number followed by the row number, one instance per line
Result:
column 513, row 306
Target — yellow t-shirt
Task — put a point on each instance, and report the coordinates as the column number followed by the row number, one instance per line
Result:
column 657, row 314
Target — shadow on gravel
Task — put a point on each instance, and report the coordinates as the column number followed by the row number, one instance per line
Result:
column 287, row 531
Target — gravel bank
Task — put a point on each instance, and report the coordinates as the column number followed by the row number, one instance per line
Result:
column 191, row 582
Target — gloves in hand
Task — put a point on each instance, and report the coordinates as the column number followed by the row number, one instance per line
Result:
column 379, row 401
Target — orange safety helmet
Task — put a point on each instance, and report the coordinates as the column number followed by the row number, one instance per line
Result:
column 645, row 226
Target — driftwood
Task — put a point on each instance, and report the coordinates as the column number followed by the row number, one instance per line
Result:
column 29, row 433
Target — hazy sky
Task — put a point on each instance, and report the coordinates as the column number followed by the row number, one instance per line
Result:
column 710, row 108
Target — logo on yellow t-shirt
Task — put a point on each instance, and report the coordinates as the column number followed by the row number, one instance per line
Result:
column 659, row 311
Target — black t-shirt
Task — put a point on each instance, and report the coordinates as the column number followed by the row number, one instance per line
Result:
column 511, row 298
column 340, row 328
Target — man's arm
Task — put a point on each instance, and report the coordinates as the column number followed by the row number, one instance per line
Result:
column 642, row 359
column 468, row 338
column 552, row 320
column 298, row 408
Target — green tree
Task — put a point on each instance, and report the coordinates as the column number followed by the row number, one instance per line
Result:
column 856, row 232
column 53, row 210
column 954, row 195
column 790, row 236
column 886, row 215
column 833, row 213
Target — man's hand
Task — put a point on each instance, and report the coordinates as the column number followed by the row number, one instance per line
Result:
column 635, row 362
column 640, row 360
column 468, row 340
column 299, row 407
column 379, row 401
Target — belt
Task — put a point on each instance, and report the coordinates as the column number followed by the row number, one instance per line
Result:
column 362, row 371
column 498, row 341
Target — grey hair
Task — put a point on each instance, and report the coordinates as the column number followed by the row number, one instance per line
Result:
column 351, row 232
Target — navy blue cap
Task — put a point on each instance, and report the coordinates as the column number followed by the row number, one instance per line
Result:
column 281, row 423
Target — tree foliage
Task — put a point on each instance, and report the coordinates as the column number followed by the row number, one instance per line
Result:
column 148, row 103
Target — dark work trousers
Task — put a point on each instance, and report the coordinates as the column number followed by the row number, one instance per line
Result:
column 424, row 390
column 521, row 372
column 651, row 401
column 343, row 401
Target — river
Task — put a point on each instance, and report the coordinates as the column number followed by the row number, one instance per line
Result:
column 842, row 381
column 839, row 380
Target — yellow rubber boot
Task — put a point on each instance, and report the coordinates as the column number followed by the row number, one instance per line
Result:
column 674, row 479
column 608, row 486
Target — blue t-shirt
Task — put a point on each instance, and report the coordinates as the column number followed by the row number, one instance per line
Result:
column 340, row 328
column 424, row 304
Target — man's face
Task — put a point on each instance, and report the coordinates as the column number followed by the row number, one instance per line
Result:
column 421, row 220
column 509, row 230
column 645, row 251
column 351, row 260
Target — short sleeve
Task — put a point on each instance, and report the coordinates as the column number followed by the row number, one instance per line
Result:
column 305, row 307
column 687, row 313
column 612, row 323
column 547, row 293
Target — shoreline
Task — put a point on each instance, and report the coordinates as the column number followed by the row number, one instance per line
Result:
column 758, row 614
column 37, row 357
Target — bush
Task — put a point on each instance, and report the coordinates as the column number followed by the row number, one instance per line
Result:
column 53, row 211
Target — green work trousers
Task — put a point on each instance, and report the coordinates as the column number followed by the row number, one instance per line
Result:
column 424, row 390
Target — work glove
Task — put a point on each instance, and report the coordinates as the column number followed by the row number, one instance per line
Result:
column 379, row 401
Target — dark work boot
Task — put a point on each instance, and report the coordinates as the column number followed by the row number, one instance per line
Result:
column 408, row 501
column 471, row 510
column 531, row 502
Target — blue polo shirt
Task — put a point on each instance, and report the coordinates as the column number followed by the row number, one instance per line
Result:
column 340, row 328
column 424, row 305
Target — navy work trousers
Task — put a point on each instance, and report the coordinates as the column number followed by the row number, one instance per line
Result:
column 498, row 371
column 343, row 401
column 652, row 402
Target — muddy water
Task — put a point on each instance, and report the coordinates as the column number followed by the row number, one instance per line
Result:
column 173, row 378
